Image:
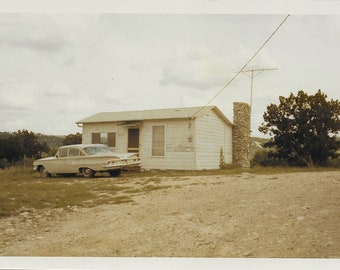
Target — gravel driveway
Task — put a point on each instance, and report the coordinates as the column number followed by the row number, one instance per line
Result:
column 293, row 215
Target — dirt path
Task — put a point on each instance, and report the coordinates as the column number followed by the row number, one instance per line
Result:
column 284, row 215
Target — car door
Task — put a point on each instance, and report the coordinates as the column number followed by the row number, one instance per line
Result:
column 58, row 164
column 73, row 160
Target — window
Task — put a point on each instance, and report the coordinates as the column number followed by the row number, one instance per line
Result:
column 111, row 139
column 105, row 138
column 62, row 152
column 73, row 152
column 158, row 141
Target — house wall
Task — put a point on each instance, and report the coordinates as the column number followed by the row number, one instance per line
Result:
column 212, row 134
column 179, row 146
column 189, row 145
column 121, row 131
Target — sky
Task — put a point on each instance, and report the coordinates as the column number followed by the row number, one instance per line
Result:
column 60, row 67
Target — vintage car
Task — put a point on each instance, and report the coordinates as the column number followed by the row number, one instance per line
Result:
column 86, row 159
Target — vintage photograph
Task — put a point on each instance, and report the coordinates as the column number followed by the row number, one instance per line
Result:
column 162, row 134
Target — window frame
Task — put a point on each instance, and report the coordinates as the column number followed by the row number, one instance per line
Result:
column 153, row 148
column 62, row 151
column 104, row 138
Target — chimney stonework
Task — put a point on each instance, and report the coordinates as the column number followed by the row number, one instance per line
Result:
column 241, row 135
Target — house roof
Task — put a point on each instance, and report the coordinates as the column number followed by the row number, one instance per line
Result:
column 158, row 114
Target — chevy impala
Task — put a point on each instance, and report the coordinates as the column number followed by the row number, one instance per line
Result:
column 86, row 159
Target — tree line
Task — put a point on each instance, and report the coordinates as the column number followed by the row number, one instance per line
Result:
column 303, row 131
column 17, row 146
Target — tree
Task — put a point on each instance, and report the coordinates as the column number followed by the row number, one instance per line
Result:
column 9, row 151
column 73, row 139
column 303, row 128
column 28, row 143
column 19, row 145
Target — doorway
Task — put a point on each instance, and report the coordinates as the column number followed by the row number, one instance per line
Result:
column 133, row 140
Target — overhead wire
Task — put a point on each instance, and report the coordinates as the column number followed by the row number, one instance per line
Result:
column 244, row 66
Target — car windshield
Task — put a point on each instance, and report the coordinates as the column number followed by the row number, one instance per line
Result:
column 94, row 150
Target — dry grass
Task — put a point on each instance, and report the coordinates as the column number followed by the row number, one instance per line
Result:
column 21, row 188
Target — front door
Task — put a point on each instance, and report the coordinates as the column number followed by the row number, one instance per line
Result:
column 133, row 140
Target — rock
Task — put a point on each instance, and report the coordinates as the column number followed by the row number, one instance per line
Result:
column 24, row 214
column 300, row 218
column 248, row 254
column 255, row 236
column 74, row 208
column 10, row 231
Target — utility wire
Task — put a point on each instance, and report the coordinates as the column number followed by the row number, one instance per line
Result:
column 245, row 65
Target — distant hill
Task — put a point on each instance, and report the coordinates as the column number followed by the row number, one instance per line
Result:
column 51, row 140
column 256, row 145
column 55, row 141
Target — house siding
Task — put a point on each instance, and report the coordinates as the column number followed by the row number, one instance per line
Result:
column 190, row 144
column 121, row 134
column 179, row 148
column 212, row 134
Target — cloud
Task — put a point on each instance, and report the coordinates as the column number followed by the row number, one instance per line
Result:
column 195, row 67
column 63, row 99
column 17, row 95
column 58, row 90
column 48, row 33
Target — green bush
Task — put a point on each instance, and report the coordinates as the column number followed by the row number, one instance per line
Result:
column 333, row 163
column 4, row 163
column 265, row 159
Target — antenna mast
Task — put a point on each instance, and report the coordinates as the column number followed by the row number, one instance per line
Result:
column 252, row 76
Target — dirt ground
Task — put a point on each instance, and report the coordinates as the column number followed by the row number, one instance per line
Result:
column 293, row 215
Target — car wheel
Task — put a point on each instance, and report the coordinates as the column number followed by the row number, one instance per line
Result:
column 115, row 173
column 43, row 172
column 87, row 172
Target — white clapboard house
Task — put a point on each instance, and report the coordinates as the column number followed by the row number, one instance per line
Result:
column 180, row 139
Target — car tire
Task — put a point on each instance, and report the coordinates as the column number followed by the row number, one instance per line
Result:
column 115, row 173
column 43, row 172
column 87, row 172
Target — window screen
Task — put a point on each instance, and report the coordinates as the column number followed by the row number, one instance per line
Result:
column 95, row 137
column 105, row 138
column 158, row 140
column 111, row 139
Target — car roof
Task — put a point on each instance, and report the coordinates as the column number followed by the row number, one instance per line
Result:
column 82, row 146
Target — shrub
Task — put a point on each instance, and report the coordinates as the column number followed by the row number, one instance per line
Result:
column 333, row 163
column 266, row 159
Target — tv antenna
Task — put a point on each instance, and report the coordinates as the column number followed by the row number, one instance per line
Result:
column 253, row 74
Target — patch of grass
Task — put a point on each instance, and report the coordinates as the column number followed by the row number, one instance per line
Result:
column 145, row 189
column 121, row 199
column 23, row 188
column 153, row 187
column 20, row 188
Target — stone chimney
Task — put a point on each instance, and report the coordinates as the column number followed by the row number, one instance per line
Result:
column 241, row 135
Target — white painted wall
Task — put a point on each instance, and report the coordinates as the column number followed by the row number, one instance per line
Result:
column 190, row 145
column 121, row 132
column 212, row 134
column 179, row 150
